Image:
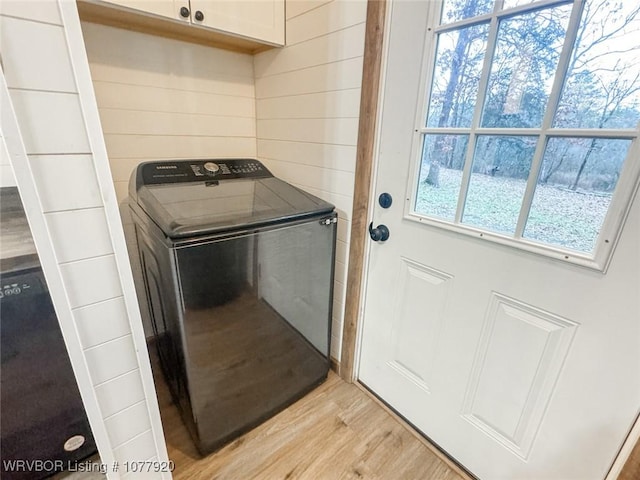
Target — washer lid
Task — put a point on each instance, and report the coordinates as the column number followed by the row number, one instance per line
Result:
column 184, row 204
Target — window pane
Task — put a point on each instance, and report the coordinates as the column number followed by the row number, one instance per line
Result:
column 454, row 10
column 441, row 175
column 577, row 179
column 456, row 76
column 523, row 68
column 602, row 89
column 516, row 3
column 500, row 169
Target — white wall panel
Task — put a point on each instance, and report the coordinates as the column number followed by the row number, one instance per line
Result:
column 337, row 131
column 175, row 124
column 101, row 322
column 344, row 230
column 328, row 180
column 340, row 45
column 91, row 281
column 128, row 423
column 120, row 393
column 327, row 18
column 320, row 78
column 155, row 147
column 335, row 104
column 79, row 234
column 115, row 73
column 337, row 321
column 50, row 122
column 25, row 61
column 332, row 157
column 111, row 359
column 162, row 55
column 47, row 12
column 164, row 99
column 65, row 182
column 342, row 251
column 299, row 7
column 135, row 450
column 124, row 96
column 341, row 272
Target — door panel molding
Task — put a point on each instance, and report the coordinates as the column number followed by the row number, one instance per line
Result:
column 511, row 325
column 421, row 298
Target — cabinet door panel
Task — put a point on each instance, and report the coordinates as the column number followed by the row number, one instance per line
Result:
column 164, row 8
column 259, row 19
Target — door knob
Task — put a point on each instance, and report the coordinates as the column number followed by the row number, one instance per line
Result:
column 199, row 16
column 184, row 12
column 378, row 234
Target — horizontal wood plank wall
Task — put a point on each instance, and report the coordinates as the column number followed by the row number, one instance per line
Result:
column 84, row 261
column 307, row 108
column 161, row 98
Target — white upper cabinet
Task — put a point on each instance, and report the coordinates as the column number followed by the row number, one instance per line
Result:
column 260, row 19
column 247, row 25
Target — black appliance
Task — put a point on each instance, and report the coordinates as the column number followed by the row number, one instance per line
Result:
column 44, row 426
column 238, row 273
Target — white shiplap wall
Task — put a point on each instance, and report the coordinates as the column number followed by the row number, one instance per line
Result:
column 161, row 98
column 54, row 142
column 307, row 108
column 6, row 173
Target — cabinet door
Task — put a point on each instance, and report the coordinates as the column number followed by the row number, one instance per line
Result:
column 259, row 19
column 163, row 8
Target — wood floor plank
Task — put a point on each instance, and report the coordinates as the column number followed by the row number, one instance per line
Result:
column 335, row 432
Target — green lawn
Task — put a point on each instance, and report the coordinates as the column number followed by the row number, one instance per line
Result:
column 558, row 216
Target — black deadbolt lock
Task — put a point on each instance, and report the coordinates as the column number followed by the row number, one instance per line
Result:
column 385, row 200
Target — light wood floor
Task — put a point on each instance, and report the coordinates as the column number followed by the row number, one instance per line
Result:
column 335, row 432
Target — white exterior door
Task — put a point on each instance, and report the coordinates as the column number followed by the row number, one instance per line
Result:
column 518, row 355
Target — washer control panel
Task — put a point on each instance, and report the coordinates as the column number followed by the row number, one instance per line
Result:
column 200, row 170
column 211, row 168
column 21, row 286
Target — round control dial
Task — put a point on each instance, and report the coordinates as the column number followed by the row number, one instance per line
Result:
column 211, row 168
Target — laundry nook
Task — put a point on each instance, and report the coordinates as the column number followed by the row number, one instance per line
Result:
column 319, row 239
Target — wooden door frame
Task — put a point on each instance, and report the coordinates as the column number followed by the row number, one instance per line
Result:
column 628, row 462
column 365, row 155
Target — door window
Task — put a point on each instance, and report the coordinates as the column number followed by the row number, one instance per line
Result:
column 531, row 113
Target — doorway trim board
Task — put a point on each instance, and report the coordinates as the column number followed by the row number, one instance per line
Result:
column 365, row 152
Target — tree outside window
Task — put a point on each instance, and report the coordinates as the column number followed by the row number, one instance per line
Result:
column 531, row 111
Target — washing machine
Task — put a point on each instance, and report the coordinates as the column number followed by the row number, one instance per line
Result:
column 44, row 427
column 237, row 269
